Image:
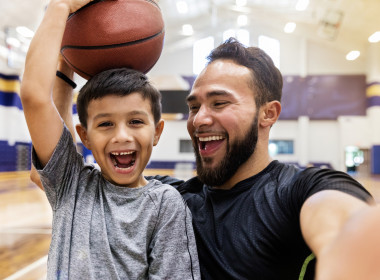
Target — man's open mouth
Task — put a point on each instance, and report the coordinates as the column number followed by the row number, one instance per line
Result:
column 209, row 142
column 123, row 159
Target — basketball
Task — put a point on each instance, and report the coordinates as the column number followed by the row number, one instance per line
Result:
column 107, row 34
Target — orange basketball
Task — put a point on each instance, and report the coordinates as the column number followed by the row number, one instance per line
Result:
column 107, row 34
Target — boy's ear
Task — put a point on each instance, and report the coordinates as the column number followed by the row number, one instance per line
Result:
column 158, row 130
column 270, row 113
column 82, row 132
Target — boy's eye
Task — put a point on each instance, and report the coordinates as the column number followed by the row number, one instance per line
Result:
column 136, row 122
column 105, row 124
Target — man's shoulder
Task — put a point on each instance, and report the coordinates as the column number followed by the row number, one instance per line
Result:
column 282, row 173
column 165, row 179
column 289, row 174
column 190, row 186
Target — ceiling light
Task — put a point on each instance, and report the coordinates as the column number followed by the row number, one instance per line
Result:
column 375, row 37
column 302, row 5
column 290, row 27
column 182, row 7
column 242, row 20
column 241, row 3
column 352, row 55
column 25, row 31
column 187, row 29
column 4, row 52
column 13, row 42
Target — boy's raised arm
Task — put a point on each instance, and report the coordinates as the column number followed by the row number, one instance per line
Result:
column 44, row 122
column 63, row 97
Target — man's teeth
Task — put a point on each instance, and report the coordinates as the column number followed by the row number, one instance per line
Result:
column 121, row 154
column 210, row 138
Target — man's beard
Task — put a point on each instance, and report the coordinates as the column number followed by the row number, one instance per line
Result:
column 237, row 153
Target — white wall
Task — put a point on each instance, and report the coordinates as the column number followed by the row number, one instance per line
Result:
column 13, row 125
column 168, row 146
column 323, row 60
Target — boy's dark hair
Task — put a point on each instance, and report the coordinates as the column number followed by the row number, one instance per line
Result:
column 266, row 78
column 119, row 82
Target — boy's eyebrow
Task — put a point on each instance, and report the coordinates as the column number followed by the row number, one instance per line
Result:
column 102, row 115
column 214, row 93
column 135, row 112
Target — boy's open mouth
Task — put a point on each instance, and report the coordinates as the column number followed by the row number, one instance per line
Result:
column 123, row 159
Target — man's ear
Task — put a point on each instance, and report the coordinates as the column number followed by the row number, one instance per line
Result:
column 82, row 132
column 270, row 113
column 158, row 131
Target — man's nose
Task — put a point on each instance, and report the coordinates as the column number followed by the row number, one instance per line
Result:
column 203, row 117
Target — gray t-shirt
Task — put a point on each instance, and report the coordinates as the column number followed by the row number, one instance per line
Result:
column 103, row 231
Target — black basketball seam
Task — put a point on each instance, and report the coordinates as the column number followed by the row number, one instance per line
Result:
column 73, row 66
column 89, row 75
column 107, row 47
column 113, row 45
column 154, row 3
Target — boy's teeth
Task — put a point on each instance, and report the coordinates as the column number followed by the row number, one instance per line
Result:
column 210, row 138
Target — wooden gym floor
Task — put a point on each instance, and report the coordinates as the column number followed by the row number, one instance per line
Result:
column 25, row 224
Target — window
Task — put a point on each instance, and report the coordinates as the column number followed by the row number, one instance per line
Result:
column 278, row 147
column 185, row 146
column 272, row 47
column 241, row 35
column 201, row 50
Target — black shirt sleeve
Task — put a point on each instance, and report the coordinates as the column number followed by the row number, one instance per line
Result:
column 316, row 179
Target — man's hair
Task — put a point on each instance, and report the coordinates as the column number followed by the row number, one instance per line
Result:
column 266, row 78
column 120, row 82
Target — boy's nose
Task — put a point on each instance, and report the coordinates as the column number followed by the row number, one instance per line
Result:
column 122, row 135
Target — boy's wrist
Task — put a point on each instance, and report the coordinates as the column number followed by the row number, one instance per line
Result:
column 65, row 73
column 64, row 67
column 66, row 79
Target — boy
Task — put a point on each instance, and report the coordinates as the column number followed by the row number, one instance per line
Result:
column 113, row 223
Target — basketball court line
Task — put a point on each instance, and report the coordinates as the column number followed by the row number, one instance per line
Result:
column 25, row 230
column 19, row 274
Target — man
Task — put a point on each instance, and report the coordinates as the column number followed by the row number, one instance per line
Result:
column 254, row 217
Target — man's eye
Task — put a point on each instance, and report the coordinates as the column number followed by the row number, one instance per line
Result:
column 193, row 107
column 220, row 103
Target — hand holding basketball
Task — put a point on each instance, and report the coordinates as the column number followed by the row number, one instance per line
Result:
column 77, row 4
column 107, row 34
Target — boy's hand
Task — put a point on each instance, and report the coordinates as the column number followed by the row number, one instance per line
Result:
column 73, row 5
column 77, row 4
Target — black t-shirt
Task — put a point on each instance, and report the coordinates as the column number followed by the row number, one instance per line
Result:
column 252, row 231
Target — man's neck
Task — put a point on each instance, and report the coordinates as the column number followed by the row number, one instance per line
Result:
column 251, row 167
